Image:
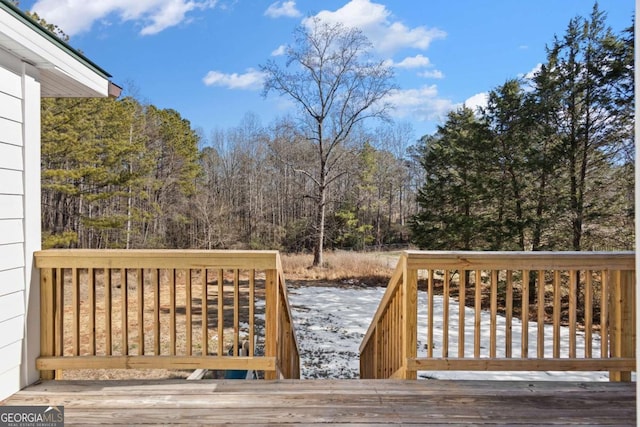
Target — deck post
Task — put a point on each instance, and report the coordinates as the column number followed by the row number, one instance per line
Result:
column 410, row 319
column 47, row 318
column 271, row 320
column 622, row 302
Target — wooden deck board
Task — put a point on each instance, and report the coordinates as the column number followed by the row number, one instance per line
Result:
column 339, row 402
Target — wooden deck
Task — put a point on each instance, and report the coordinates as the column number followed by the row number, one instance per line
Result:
column 343, row 402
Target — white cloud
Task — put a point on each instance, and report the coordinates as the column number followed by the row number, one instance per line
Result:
column 285, row 8
column 281, row 50
column 77, row 16
column 531, row 74
column 422, row 104
column 376, row 22
column 172, row 14
column 479, row 100
column 251, row 79
column 418, row 61
column 431, row 74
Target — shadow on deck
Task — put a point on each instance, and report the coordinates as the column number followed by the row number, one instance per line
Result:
column 346, row 402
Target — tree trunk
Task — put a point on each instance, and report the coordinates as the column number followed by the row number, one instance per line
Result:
column 129, row 195
column 318, row 260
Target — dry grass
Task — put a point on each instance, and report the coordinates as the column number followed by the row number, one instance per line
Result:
column 370, row 268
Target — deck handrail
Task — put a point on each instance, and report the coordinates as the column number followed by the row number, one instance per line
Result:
column 151, row 307
column 389, row 348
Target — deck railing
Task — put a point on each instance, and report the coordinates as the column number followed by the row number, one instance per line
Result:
column 165, row 309
column 590, row 295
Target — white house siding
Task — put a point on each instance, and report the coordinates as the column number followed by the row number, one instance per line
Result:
column 32, row 64
column 15, row 266
column 32, row 223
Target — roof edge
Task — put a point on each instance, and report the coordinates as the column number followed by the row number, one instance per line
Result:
column 20, row 15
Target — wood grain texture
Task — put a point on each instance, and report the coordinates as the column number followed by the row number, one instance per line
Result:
column 155, row 276
column 564, row 274
column 153, row 258
column 337, row 402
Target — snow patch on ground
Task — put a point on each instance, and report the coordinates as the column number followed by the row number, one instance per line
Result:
column 330, row 323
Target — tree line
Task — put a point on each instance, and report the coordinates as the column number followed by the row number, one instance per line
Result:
column 121, row 174
column 548, row 164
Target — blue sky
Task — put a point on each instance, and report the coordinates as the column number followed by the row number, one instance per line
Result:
column 202, row 57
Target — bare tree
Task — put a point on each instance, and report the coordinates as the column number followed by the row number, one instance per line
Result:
column 331, row 76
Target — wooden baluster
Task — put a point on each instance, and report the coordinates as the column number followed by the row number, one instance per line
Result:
column 493, row 329
column 124, row 300
column 188, row 313
column 140, row 290
column 91, row 296
column 205, row 312
column 252, row 315
column 384, row 347
column 59, row 314
column 391, row 333
column 445, row 314
column 573, row 297
column 236, row 311
column 541, row 313
column 107, row 312
column 220, row 325
column 75, row 312
column 124, row 289
column 47, row 317
column 389, row 338
column 604, row 314
column 156, row 312
column 477, row 314
column 509, row 316
column 557, row 308
column 172, row 311
column 397, row 326
column 588, row 314
column 524, row 345
column 379, row 352
column 430, row 325
column 461, row 310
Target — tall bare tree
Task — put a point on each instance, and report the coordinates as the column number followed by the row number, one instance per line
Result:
column 331, row 76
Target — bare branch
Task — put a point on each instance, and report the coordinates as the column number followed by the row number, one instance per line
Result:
column 330, row 76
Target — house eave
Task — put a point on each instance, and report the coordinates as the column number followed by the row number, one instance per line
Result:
column 64, row 72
